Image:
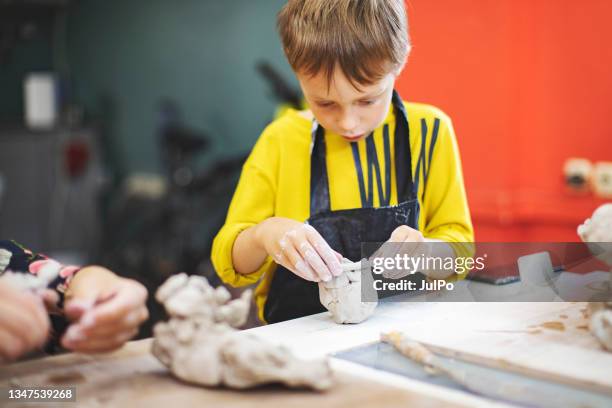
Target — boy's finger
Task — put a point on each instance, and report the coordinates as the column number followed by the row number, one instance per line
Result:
column 314, row 260
column 325, row 252
column 297, row 264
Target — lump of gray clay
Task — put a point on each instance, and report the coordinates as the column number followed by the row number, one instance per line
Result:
column 596, row 232
column 342, row 294
column 200, row 343
column 600, row 322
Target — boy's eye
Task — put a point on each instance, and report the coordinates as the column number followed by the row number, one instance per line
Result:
column 366, row 102
column 325, row 104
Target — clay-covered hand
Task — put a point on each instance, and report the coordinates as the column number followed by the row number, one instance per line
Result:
column 404, row 240
column 24, row 323
column 105, row 309
column 404, row 233
column 299, row 248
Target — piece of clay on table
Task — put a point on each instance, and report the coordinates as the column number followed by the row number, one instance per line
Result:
column 342, row 294
column 600, row 322
column 596, row 232
column 200, row 343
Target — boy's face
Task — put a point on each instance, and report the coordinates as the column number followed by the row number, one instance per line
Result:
column 342, row 109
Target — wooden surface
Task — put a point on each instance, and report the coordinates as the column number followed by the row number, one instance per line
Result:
column 132, row 377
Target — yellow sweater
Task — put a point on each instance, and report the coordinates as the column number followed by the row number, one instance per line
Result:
column 275, row 181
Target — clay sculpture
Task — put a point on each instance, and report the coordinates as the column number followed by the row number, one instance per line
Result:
column 200, row 343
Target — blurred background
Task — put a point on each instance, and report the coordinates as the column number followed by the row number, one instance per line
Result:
column 124, row 124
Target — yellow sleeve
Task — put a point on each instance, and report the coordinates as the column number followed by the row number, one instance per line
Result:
column 447, row 215
column 252, row 203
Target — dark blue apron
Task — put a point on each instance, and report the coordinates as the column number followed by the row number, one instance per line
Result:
column 289, row 295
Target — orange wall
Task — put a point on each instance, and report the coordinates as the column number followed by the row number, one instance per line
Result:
column 528, row 83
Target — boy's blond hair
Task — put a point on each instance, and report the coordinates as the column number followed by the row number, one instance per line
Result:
column 367, row 39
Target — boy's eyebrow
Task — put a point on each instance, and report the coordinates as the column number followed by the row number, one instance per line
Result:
column 374, row 94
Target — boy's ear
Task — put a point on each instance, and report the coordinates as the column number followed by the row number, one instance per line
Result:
column 396, row 70
column 399, row 69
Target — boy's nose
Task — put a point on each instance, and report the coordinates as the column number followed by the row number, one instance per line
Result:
column 348, row 124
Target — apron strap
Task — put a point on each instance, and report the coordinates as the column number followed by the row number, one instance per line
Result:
column 432, row 144
column 319, row 188
column 383, row 196
column 403, row 167
column 417, row 173
column 367, row 199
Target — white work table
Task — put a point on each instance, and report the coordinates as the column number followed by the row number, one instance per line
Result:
column 549, row 339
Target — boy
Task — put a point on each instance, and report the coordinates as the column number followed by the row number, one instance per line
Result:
column 360, row 166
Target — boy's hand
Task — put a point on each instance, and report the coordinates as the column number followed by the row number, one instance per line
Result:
column 24, row 323
column 106, row 310
column 404, row 233
column 403, row 241
column 299, row 248
column 393, row 246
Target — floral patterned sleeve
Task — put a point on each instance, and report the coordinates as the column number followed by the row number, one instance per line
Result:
column 18, row 259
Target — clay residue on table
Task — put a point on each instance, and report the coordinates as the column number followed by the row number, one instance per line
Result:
column 553, row 325
column 585, row 312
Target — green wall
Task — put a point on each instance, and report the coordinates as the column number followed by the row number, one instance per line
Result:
column 126, row 55
column 26, row 56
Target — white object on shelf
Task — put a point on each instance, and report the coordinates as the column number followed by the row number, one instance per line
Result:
column 40, row 98
column 602, row 179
